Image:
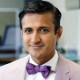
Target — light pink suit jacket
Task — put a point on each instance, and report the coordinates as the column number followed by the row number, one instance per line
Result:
column 66, row 70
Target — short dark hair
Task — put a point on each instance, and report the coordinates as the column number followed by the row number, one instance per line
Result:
column 41, row 7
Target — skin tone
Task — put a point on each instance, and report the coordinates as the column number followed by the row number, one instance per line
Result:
column 39, row 36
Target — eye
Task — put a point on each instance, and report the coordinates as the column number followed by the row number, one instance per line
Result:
column 44, row 30
column 28, row 30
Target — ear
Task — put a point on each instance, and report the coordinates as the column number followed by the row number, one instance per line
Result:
column 59, row 33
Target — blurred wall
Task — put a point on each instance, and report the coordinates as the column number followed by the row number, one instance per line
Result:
column 11, row 3
column 7, row 18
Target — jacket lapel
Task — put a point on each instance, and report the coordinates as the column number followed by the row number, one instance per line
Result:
column 62, row 71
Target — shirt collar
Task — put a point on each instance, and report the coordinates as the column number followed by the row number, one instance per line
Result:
column 52, row 62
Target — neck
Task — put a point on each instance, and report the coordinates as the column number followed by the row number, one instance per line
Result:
column 42, row 60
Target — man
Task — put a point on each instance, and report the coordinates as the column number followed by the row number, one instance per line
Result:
column 41, row 30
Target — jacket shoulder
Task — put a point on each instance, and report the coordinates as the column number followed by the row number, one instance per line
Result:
column 73, row 66
column 13, row 66
column 69, row 67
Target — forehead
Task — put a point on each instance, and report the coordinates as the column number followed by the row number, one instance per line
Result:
column 36, row 19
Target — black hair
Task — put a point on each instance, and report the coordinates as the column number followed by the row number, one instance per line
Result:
column 41, row 7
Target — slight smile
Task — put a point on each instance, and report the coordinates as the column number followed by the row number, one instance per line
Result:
column 36, row 46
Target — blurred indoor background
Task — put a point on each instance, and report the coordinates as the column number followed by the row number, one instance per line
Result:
column 11, row 45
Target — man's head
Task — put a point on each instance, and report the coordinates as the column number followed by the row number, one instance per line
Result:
column 40, row 28
column 38, row 6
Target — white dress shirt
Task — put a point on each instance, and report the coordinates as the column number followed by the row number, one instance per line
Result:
column 38, row 76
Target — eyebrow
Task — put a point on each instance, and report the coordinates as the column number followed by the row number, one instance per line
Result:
column 27, row 28
column 41, row 27
column 44, row 27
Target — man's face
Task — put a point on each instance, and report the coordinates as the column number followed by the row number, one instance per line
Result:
column 39, row 35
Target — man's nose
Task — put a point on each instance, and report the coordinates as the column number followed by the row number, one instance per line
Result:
column 35, row 38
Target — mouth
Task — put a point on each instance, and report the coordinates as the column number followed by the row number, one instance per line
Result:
column 36, row 46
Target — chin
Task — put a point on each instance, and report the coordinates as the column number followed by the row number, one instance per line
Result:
column 36, row 55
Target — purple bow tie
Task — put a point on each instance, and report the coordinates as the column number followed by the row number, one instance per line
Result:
column 32, row 69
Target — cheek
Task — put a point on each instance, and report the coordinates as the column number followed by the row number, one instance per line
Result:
column 50, row 42
column 25, row 40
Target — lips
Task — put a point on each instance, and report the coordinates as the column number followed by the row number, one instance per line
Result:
column 36, row 46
